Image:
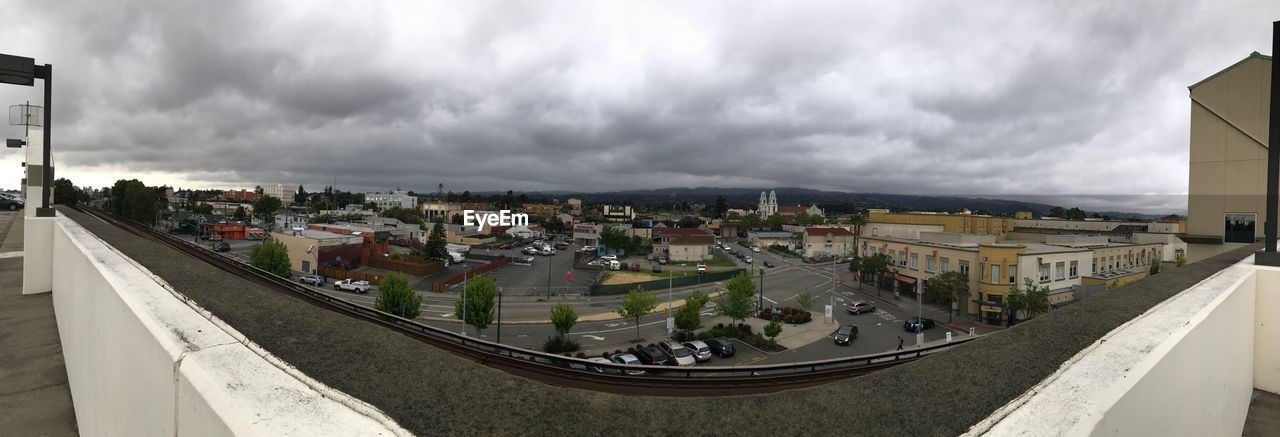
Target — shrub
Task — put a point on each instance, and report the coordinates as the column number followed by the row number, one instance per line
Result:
column 758, row 340
column 706, row 335
column 558, row 344
column 581, row 355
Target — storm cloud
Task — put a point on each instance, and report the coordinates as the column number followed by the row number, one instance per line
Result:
column 1044, row 99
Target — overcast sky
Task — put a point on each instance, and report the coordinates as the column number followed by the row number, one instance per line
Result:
column 1072, row 98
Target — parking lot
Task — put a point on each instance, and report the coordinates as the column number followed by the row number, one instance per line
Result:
column 531, row 279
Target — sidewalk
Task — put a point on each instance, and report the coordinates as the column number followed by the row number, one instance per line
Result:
column 34, row 394
column 794, row 336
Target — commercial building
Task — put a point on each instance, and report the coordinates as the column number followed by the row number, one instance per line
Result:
column 540, row 209
column 310, row 249
column 961, row 223
column 239, row 196
column 831, row 241
column 764, row 239
column 375, row 243
column 684, row 244
column 898, row 230
column 283, row 192
column 617, row 213
column 392, row 199
column 1228, row 166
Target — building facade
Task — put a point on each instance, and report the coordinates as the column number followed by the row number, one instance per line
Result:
column 768, row 205
column 311, row 249
column 283, row 192
column 393, row 199
column 684, row 244
column 961, row 223
column 828, row 242
column 1228, row 166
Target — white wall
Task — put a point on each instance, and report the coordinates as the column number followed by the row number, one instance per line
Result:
column 141, row 361
column 1186, row 367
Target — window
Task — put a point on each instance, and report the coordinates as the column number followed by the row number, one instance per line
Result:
column 929, row 263
column 902, row 258
column 1044, row 273
column 995, row 299
column 944, row 265
column 1095, row 265
column 1013, row 274
column 1075, row 269
column 1060, row 271
column 995, row 274
column 893, row 256
column 915, row 261
column 964, row 268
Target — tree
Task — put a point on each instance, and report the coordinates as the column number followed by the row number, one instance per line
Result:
column 396, row 297
column 272, row 256
column 737, row 301
column 436, row 247
column 1056, row 211
column 775, row 221
column 688, row 221
column 951, row 287
column 1155, row 268
column 370, row 206
column 750, row 221
column 478, row 295
column 563, row 317
column 203, row 208
column 1074, row 213
column 689, row 317
column 239, row 214
column 614, row 238
column 1030, row 298
column 64, row 192
column 266, row 206
column 301, row 197
column 858, row 220
column 1180, row 260
column 636, row 305
column 554, row 225
column 721, row 208
column 805, row 300
column 407, row 215
column 874, row 267
column 772, row 330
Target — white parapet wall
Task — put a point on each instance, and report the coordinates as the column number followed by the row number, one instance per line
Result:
column 142, row 361
column 1184, row 368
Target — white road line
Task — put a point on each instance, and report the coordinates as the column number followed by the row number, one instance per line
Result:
column 593, row 337
column 603, row 331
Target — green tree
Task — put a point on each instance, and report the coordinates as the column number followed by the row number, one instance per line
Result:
column 736, row 302
column 950, row 287
column 1056, row 211
column 614, row 238
column 479, row 296
column 301, row 197
column 858, row 220
column 772, row 330
column 554, row 225
column 805, row 300
column 637, row 304
column 64, row 192
column 1029, row 298
column 750, row 221
column 266, row 207
column 272, row 256
column 203, row 208
column 721, row 208
column 873, row 267
column 436, row 247
column 689, row 316
column 396, row 297
column 1181, row 259
column 1075, row 213
column 775, row 221
column 688, row 221
column 563, row 317
column 239, row 214
column 407, row 215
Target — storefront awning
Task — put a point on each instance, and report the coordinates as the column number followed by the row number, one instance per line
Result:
column 907, row 279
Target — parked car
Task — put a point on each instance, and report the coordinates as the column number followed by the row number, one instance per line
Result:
column 221, row 247
column 768, row 264
column 350, row 285
column 547, row 251
column 652, row 356
column 722, row 347
column 588, row 248
column 215, row 238
column 602, row 369
column 755, row 248
column 635, row 267
column 507, row 246
column 702, row 268
column 11, row 204
column 913, row 325
column 562, row 246
column 701, row 352
column 859, row 307
column 846, row 334
column 842, row 260
column 657, row 268
column 527, row 259
column 315, row 280
column 614, row 265
column 746, row 259
column 630, row 360
column 609, row 257
column 662, row 260
column 682, row 355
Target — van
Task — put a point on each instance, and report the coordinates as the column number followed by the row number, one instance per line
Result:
column 615, row 265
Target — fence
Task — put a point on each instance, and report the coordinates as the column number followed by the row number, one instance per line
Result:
column 337, row 274
column 439, row 286
column 682, row 281
column 412, row 266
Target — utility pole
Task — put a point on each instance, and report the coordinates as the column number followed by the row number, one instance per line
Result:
column 463, row 296
column 499, row 315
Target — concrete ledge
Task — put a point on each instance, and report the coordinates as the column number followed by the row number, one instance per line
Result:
column 141, row 361
column 1184, row 367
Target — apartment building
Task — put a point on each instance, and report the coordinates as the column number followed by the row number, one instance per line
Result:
column 540, row 209
column 280, row 191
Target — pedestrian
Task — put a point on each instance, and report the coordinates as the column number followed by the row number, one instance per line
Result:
column 899, row 342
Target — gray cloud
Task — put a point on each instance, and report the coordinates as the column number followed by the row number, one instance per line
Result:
column 915, row 98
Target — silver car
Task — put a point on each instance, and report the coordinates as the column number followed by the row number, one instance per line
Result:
column 701, row 352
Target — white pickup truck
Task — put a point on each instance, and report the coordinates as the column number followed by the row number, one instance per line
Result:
column 354, row 286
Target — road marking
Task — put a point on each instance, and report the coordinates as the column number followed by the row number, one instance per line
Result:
column 593, row 337
column 522, row 335
column 615, row 325
column 446, row 314
column 771, row 300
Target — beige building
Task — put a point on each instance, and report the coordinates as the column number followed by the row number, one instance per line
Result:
column 309, row 248
column 1228, row 169
column 833, row 241
column 684, row 244
column 962, row 223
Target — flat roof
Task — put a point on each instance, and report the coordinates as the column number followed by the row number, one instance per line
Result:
column 969, row 247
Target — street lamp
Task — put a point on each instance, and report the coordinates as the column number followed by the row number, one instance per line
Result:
column 17, row 70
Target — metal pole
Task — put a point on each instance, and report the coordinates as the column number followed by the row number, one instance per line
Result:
column 463, row 296
column 499, row 316
column 549, row 276
column 1268, row 256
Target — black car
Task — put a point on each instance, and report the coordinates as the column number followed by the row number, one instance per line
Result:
column 913, row 324
column 652, row 356
column 846, row 334
column 768, row 264
column 10, row 204
column 221, row 247
column 507, row 246
column 722, row 347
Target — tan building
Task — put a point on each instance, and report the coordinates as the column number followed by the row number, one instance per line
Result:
column 684, row 244
column 540, row 209
column 309, row 249
column 828, row 241
column 961, row 223
column 1228, row 169
column 934, row 253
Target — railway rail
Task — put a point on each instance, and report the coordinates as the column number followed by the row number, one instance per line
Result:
column 555, row 369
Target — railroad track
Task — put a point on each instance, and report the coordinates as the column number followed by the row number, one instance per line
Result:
column 555, row 369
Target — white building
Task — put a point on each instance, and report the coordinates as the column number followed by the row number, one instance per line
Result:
column 768, row 205
column 391, row 200
column 283, row 192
